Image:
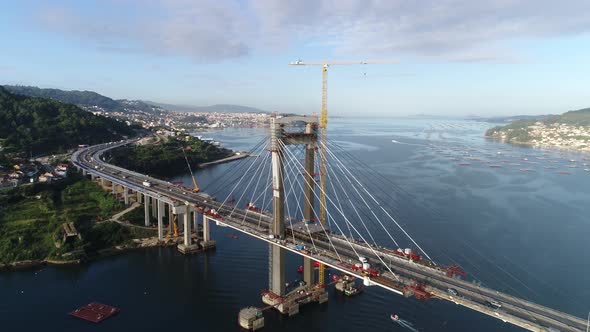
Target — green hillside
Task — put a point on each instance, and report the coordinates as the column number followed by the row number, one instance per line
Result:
column 37, row 126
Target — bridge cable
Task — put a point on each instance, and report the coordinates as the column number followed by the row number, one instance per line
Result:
column 364, row 201
column 344, row 216
column 241, row 178
column 315, row 213
column 380, row 206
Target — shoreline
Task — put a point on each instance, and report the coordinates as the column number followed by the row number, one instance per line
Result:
column 537, row 146
column 151, row 242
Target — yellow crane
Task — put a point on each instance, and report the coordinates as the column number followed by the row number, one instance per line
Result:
column 195, row 186
column 323, row 133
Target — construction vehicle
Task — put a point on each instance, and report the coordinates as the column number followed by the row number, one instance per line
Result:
column 323, row 137
column 195, row 186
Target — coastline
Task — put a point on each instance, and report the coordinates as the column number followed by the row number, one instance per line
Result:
column 538, row 146
column 150, row 242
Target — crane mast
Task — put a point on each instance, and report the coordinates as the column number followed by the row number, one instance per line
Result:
column 323, row 143
column 323, row 134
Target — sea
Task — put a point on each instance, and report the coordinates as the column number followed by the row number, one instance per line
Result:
column 515, row 218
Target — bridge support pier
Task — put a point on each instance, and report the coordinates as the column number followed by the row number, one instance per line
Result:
column 154, row 205
column 146, row 208
column 126, row 195
column 207, row 242
column 170, row 220
column 187, row 247
column 160, row 220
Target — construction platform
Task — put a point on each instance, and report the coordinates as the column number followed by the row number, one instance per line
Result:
column 95, row 312
column 198, row 246
column 289, row 304
column 251, row 319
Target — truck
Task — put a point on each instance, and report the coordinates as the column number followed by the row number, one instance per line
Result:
column 300, row 247
column 147, row 183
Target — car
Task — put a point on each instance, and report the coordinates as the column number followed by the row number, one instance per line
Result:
column 496, row 304
column 453, row 291
column 493, row 304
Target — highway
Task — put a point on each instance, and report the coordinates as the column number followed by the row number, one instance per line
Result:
column 323, row 248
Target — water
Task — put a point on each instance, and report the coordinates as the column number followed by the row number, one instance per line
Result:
column 521, row 232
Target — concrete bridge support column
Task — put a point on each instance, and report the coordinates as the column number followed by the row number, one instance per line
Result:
column 195, row 222
column 114, row 188
column 102, row 182
column 126, row 195
column 187, row 227
column 154, row 203
column 84, row 172
column 92, row 177
column 207, row 242
column 146, row 207
column 206, row 232
column 170, row 220
column 160, row 220
column 187, row 246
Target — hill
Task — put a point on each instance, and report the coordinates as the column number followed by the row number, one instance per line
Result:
column 88, row 100
column 568, row 130
column 219, row 108
column 38, row 125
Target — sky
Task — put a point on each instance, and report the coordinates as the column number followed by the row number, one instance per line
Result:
column 436, row 57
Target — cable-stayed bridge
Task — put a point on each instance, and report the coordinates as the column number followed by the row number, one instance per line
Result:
column 276, row 197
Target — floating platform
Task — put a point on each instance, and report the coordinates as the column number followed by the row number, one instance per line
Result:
column 95, row 312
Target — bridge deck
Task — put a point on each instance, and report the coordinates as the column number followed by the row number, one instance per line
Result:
column 338, row 252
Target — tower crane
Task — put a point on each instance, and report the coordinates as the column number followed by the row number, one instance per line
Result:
column 323, row 132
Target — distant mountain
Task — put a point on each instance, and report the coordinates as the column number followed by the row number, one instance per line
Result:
column 88, row 100
column 510, row 119
column 42, row 125
column 220, row 108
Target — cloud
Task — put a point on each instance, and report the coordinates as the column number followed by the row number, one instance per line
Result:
column 209, row 30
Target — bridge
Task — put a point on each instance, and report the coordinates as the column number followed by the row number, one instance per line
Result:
column 403, row 272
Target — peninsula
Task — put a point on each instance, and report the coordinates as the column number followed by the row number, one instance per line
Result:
column 570, row 130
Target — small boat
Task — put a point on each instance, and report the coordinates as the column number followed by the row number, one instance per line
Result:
column 394, row 317
column 300, row 269
column 352, row 291
column 495, row 166
column 586, row 169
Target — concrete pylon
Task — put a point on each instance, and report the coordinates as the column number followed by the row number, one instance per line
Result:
column 154, row 203
column 160, row 220
column 277, row 254
column 126, row 195
column 187, row 226
column 206, row 229
column 146, row 206
column 170, row 220
column 195, row 221
column 308, row 202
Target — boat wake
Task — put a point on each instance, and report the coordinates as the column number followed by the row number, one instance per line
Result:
column 407, row 325
column 403, row 323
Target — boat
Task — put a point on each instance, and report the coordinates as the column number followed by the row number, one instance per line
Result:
column 394, row 317
column 586, row 169
column 352, row 291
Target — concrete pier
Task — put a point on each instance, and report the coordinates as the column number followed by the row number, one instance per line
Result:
column 160, row 220
column 207, row 243
column 126, row 195
column 187, row 247
column 146, row 207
